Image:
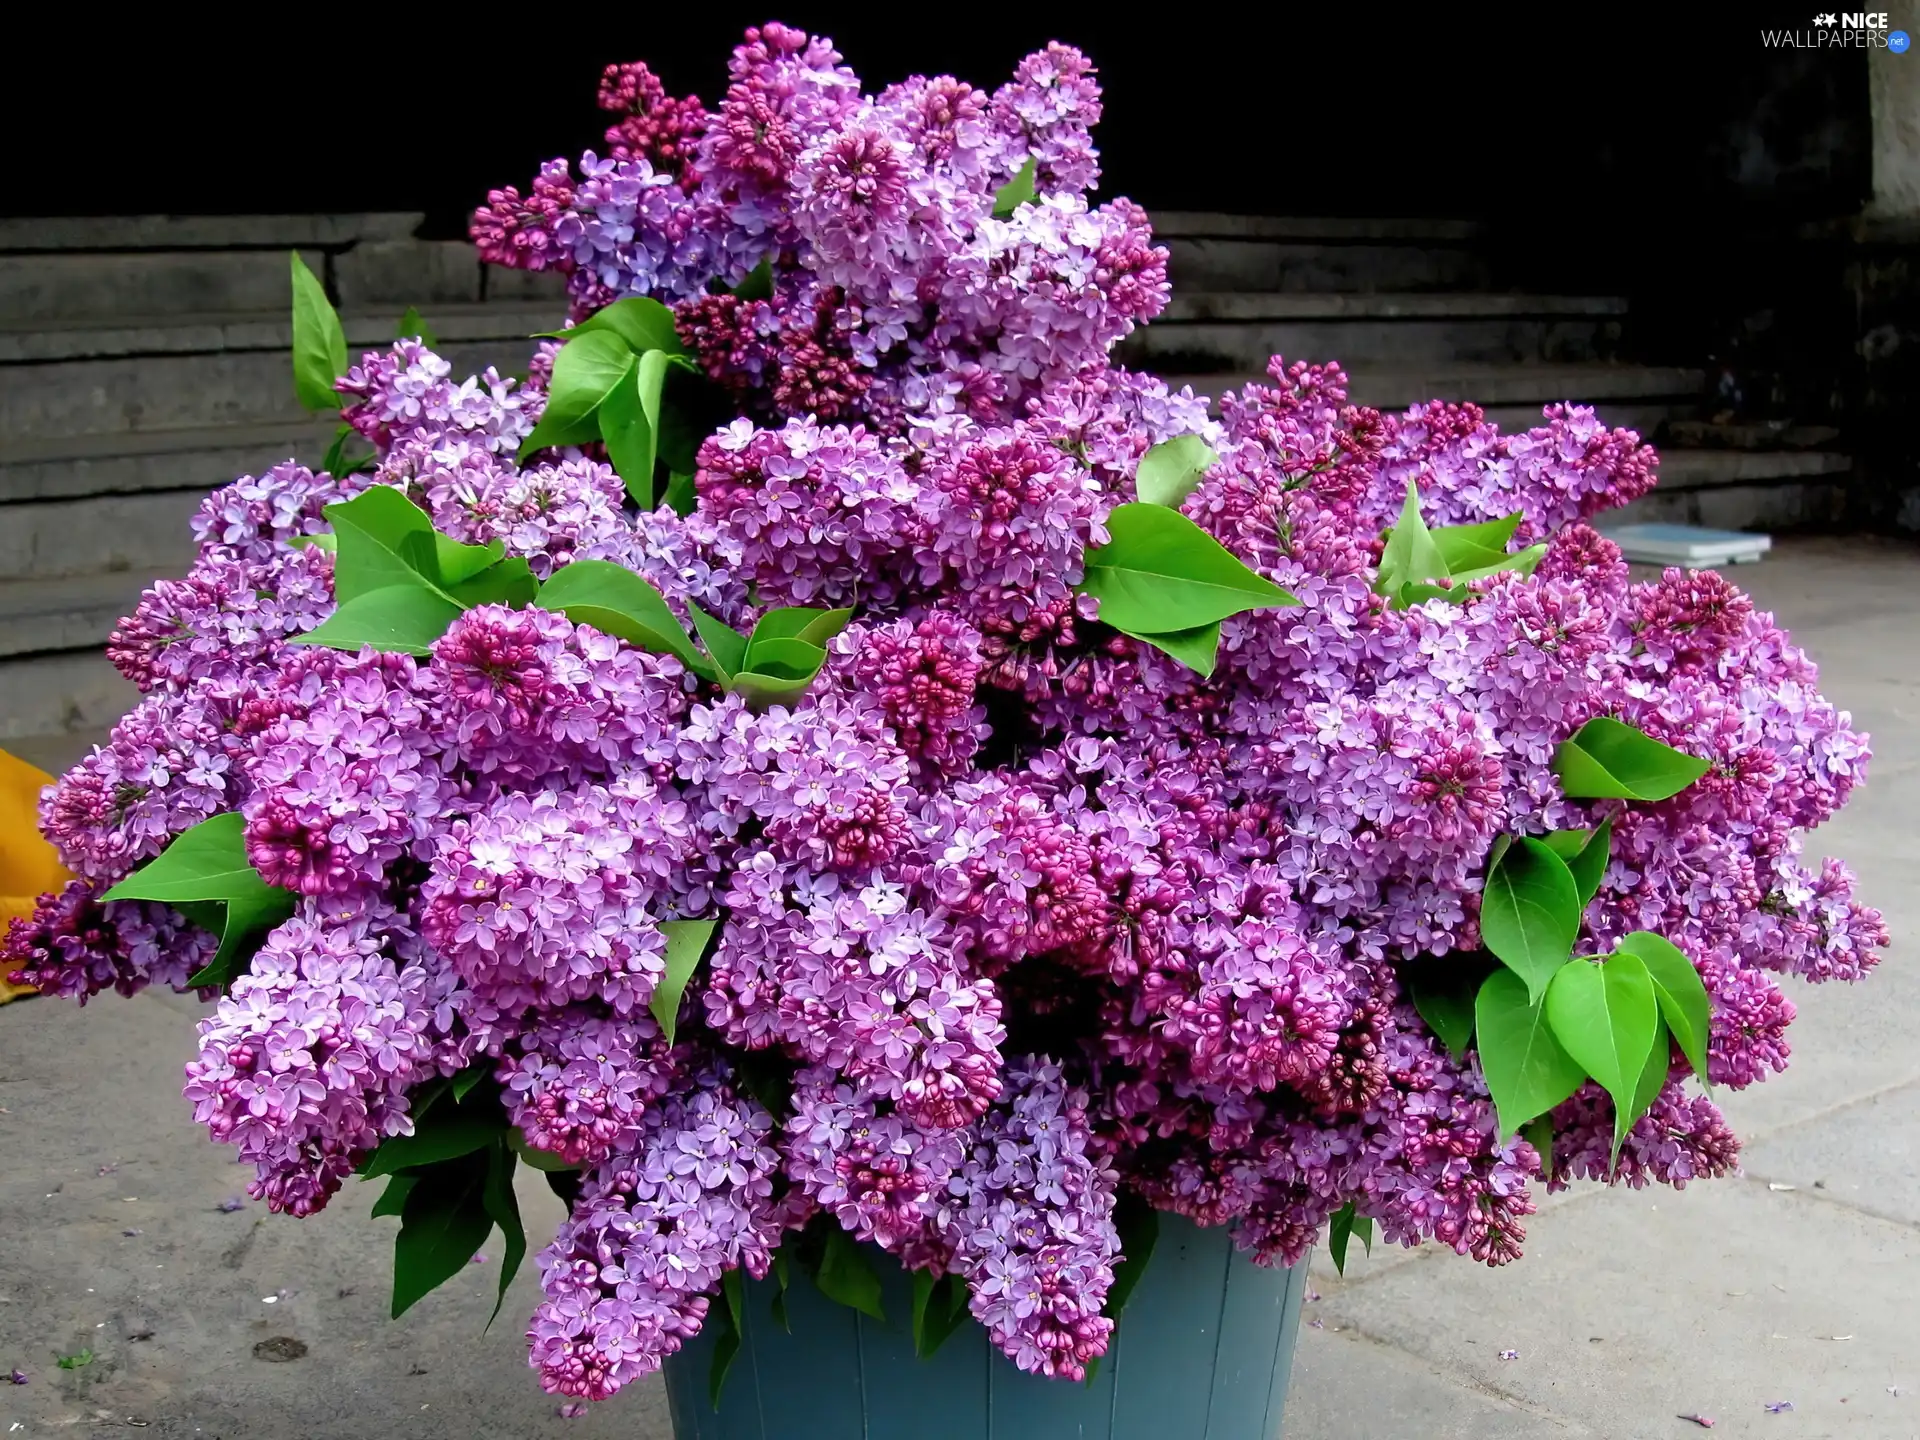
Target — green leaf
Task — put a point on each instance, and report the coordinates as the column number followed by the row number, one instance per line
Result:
column 1530, row 912
column 939, row 1309
column 1605, row 1016
column 325, row 540
column 1653, row 1079
column 443, row 1133
column 781, row 1278
column 412, row 327
column 319, row 344
column 726, row 645
column 393, row 1199
column 731, row 1321
column 1538, row 1133
column 618, row 602
column 639, row 320
column 1411, row 553
column 510, row 582
column 453, row 562
column 630, row 423
column 1606, row 760
column 1197, row 649
column 1016, row 192
column 759, row 283
column 1170, row 470
column 1586, row 853
column 1681, row 996
column 1138, row 1225
column 783, row 658
column 584, row 370
column 1443, row 988
column 443, row 1224
column 686, row 943
column 1341, row 1227
column 1523, row 562
column 1526, row 1070
column 335, row 461
column 1159, row 573
column 680, row 496
column 461, row 1083
column 208, row 863
column 406, row 618
column 501, row 1205
column 797, row 622
column 1468, row 547
column 383, row 539
column 846, row 1275
column 542, row 1160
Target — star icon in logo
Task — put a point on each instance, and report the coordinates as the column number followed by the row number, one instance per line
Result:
column 1826, row 19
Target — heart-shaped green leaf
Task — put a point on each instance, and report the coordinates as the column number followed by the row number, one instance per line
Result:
column 412, row 327
column 1607, row 760
column 442, row 1132
column 383, row 539
column 1016, row 192
column 444, row 1222
column 509, row 582
column 1198, row 649
column 1444, row 988
column 758, row 284
column 639, row 320
column 1468, row 547
column 1411, row 555
column 586, row 368
column 726, row 645
column 1530, row 912
column 1586, row 853
column 1605, row 1016
column 630, row 423
column 846, row 1275
column 686, row 943
column 1171, row 470
column 1681, row 995
column 319, row 344
column 1160, row 573
column 503, row 1208
column 1522, row 562
column 1343, row 1225
column 940, row 1307
column 1527, row 1071
column 784, row 658
column 617, row 602
column 402, row 618
column 204, row 872
column 798, row 622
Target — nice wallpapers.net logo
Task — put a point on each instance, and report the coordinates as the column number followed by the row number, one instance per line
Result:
column 1844, row 30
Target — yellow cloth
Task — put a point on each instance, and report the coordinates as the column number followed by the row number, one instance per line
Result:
column 28, row 864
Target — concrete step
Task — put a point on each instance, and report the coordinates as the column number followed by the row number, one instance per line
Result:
column 50, row 697
column 1226, row 331
column 271, row 329
column 1814, row 503
column 1209, row 264
column 45, row 617
column 207, row 374
column 146, row 534
column 1642, row 398
column 1211, row 252
column 1682, row 469
column 129, row 462
column 68, row 233
column 1361, row 229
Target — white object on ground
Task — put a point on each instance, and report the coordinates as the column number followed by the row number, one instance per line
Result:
column 1690, row 546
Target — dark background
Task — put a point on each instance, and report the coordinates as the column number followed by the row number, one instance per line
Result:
column 1608, row 116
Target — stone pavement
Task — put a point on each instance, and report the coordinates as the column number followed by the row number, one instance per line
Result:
column 1799, row 1282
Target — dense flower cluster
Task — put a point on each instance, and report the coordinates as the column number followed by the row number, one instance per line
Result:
column 1019, row 913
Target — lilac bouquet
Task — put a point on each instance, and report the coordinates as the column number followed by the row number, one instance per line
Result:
column 828, row 761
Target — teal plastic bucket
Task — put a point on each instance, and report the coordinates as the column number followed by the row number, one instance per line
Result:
column 1202, row 1353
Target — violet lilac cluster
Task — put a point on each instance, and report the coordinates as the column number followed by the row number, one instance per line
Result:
column 1027, row 914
